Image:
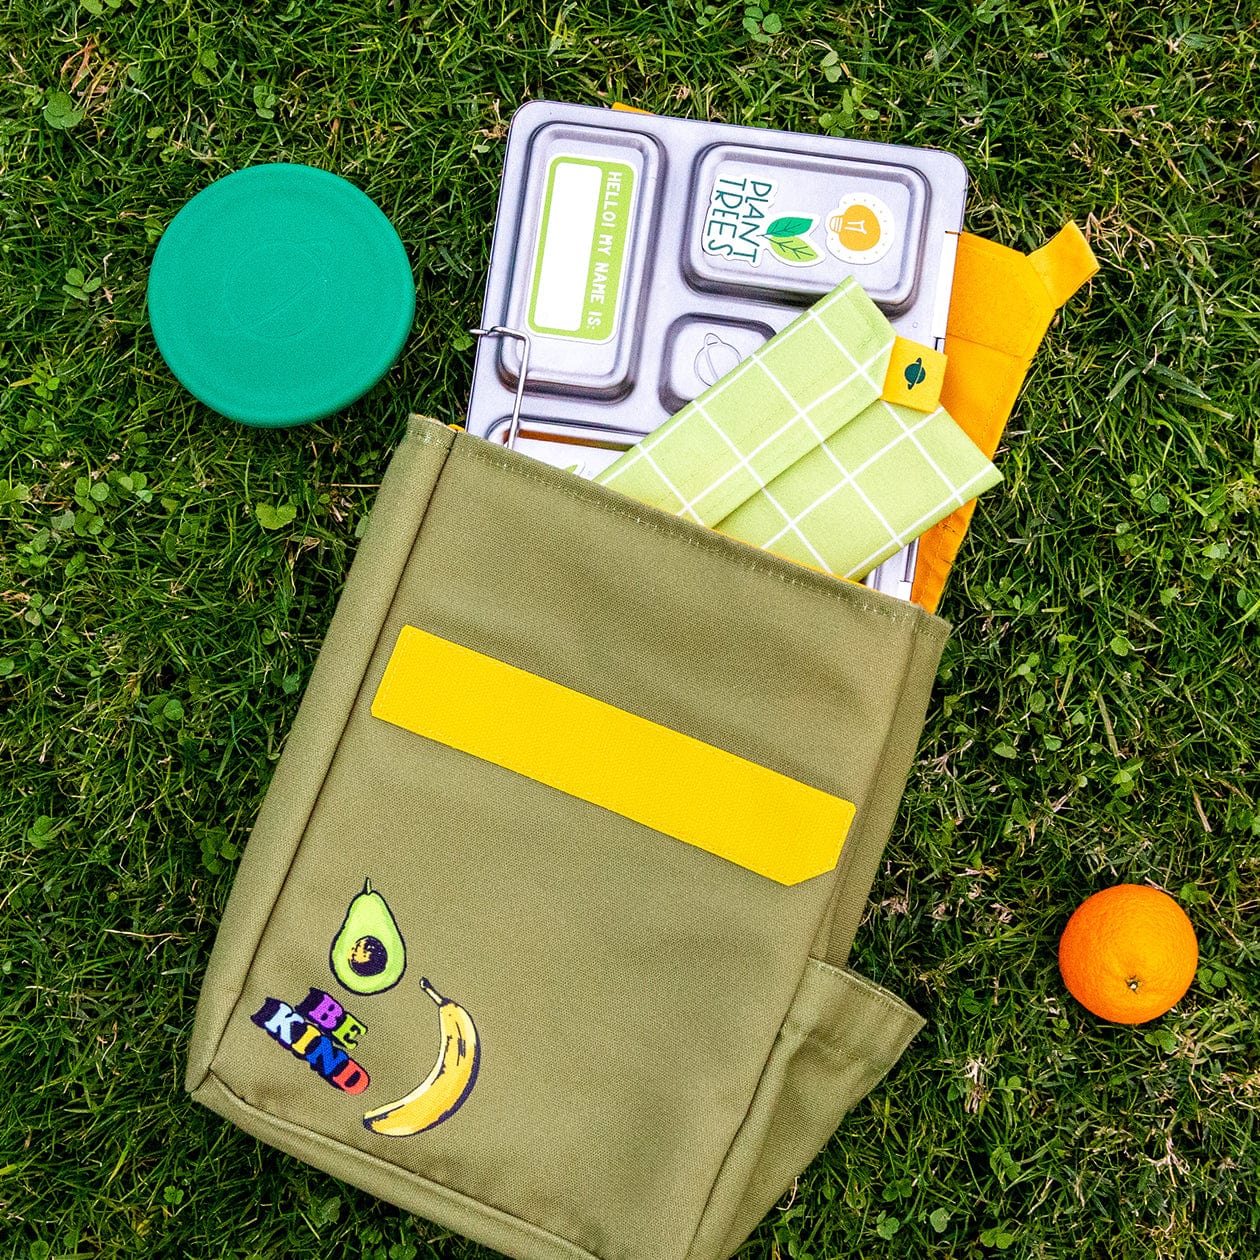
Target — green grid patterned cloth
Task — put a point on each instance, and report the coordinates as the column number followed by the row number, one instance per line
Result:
column 794, row 450
column 868, row 490
column 784, row 399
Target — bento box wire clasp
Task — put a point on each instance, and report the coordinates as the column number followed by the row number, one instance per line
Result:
column 499, row 330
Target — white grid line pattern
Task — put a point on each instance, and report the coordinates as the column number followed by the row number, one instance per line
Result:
column 802, row 415
column 810, row 318
column 878, row 455
column 859, row 369
column 911, row 433
column 673, row 489
column 979, row 473
column 730, row 472
column 809, row 546
column 726, row 437
column 876, row 385
column 743, row 463
column 848, row 477
column 925, row 522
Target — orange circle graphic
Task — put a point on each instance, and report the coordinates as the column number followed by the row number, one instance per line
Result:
column 857, row 228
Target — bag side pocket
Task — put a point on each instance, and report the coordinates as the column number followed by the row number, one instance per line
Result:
column 841, row 1036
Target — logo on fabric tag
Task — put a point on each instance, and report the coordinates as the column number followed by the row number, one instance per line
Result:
column 915, row 376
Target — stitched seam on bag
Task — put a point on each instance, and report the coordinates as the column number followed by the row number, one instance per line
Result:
column 804, row 1033
column 827, row 916
column 871, row 992
column 921, row 621
column 913, row 1022
column 843, row 867
column 844, row 1055
column 739, row 1128
column 845, row 863
column 855, row 843
column 843, row 1051
column 860, row 981
column 341, row 1148
column 332, row 761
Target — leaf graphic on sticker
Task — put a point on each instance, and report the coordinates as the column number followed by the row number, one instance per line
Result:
column 784, row 228
column 792, row 249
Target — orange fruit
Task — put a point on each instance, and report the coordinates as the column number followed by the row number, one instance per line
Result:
column 1128, row 953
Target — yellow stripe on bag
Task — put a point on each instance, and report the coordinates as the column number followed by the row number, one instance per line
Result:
column 755, row 817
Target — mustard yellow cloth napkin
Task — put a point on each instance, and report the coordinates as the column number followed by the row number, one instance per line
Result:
column 1001, row 307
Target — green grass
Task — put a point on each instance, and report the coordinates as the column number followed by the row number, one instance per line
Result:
column 1096, row 718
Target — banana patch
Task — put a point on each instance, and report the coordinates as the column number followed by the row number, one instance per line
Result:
column 440, row 1095
column 368, row 957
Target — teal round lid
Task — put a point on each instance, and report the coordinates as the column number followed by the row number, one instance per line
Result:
column 280, row 294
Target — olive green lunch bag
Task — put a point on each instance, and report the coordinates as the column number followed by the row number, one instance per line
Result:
column 542, row 929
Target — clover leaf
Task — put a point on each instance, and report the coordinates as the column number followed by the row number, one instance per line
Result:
column 59, row 111
column 271, row 516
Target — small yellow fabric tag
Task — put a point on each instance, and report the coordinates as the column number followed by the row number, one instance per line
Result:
column 1064, row 263
column 915, row 376
column 704, row 796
